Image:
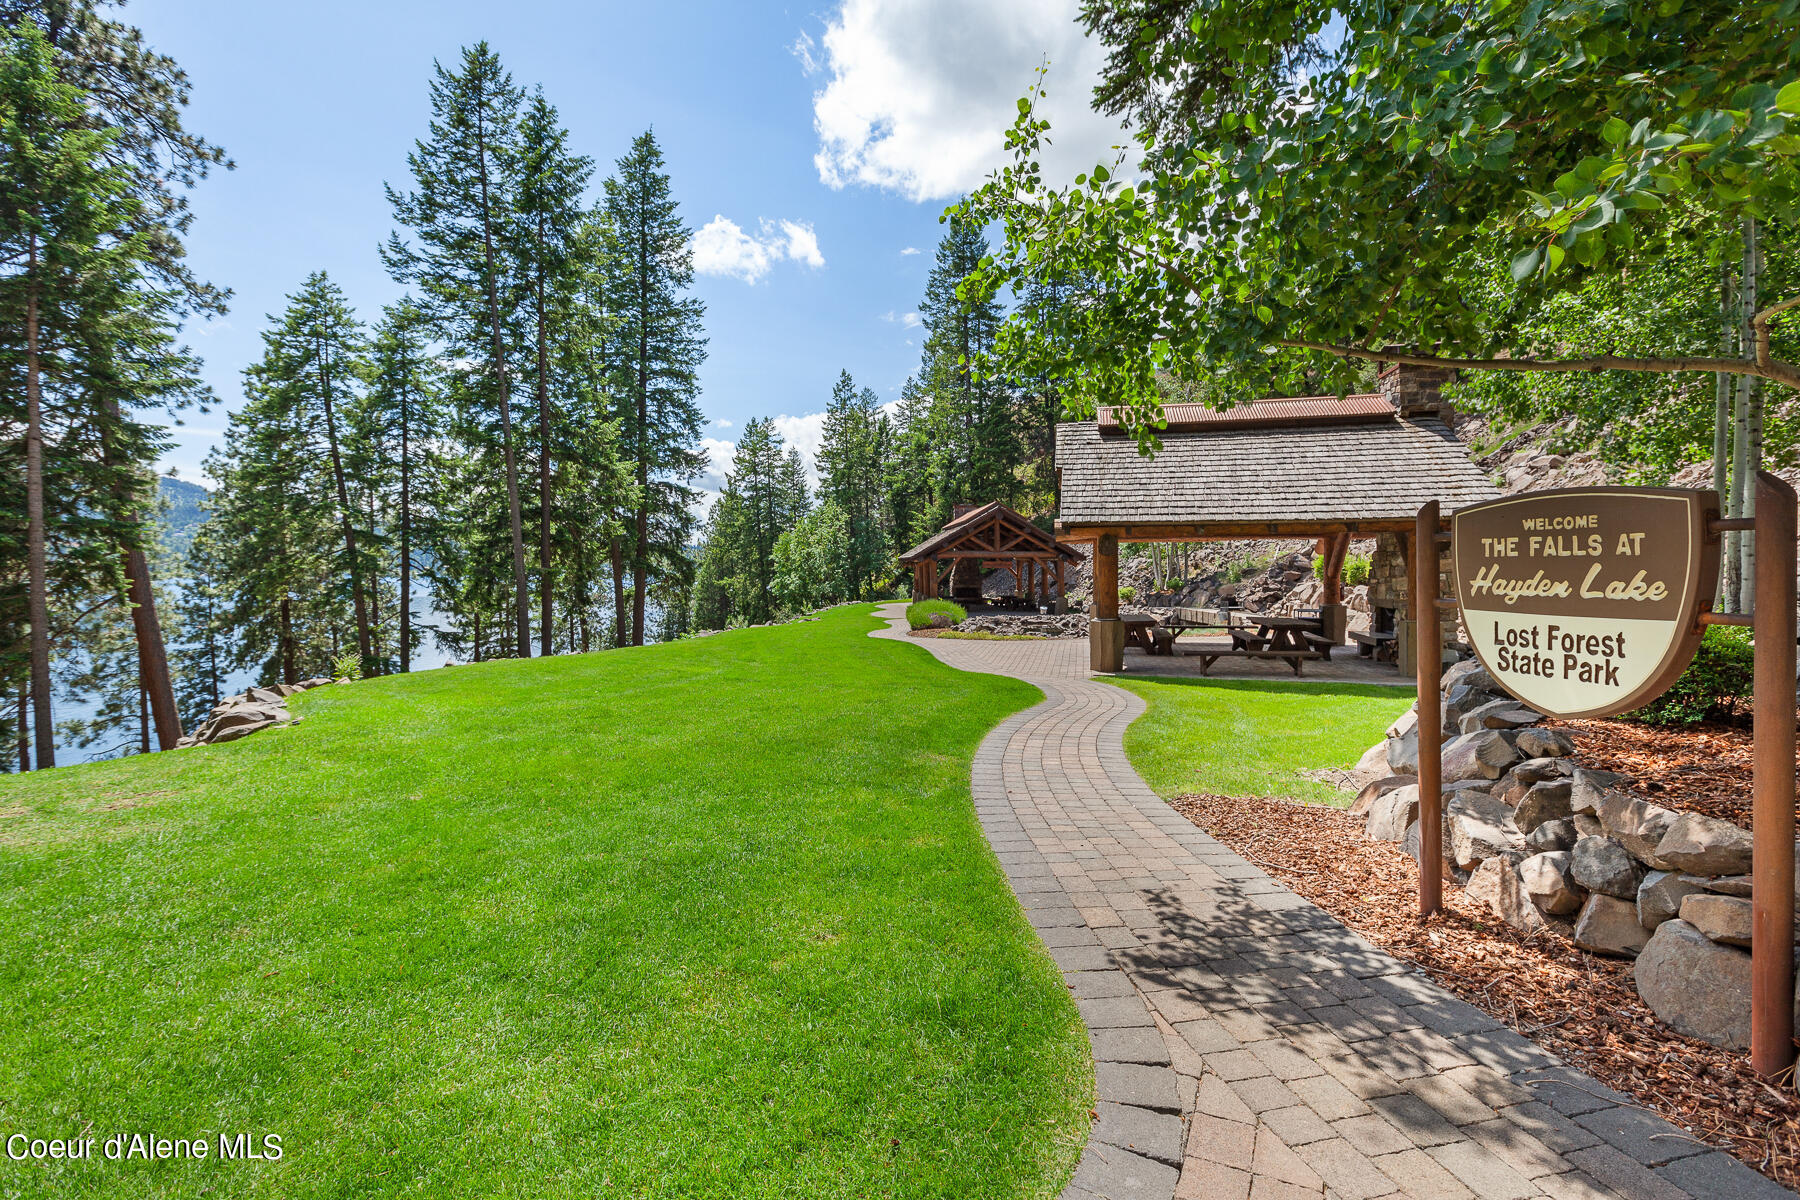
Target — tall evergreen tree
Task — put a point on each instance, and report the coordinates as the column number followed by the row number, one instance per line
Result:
column 547, row 238
column 853, row 452
column 395, row 422
column 314, row 359
column 461, row 213
column 655, row 361
column 74, row 285
column 974, row 426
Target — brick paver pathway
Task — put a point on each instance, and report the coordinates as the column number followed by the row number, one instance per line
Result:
column 1246, row 1044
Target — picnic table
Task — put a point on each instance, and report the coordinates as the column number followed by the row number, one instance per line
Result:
column 1266, row 635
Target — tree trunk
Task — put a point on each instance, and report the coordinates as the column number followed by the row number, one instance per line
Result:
column 405, row 537
column 152, row 653
column 24, row 726
column 545, row 615
column 497, row 357
column 360, row 603
column 36, row 544
column 1750, row 404
column 143, row 717
column 288, row 672
column 621, row 621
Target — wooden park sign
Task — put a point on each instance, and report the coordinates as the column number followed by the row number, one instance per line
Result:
column 1591, row 601
column 1586, row 602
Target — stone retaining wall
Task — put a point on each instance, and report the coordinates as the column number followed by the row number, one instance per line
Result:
column 1555, row 848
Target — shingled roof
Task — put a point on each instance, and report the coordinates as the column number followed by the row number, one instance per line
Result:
column 1294, row 463
column 993, row 529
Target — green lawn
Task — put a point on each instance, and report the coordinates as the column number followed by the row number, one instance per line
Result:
column 707, row 919
column 1251, row 737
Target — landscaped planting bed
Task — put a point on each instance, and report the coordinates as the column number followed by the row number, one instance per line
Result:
column 1579, row 1006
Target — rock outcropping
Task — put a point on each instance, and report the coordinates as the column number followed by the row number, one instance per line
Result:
column 250, row 712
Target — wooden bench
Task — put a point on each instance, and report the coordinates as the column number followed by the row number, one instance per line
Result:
column 1320, row 643
column 1379, row 646
column 1212, row 654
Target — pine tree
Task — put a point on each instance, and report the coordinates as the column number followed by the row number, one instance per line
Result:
column 853, row 452
column 314, row 359
column 74, row 281
column 395, row 422
column 547, row 237
column 657, row 349
column 977, row 445
column 466, row 177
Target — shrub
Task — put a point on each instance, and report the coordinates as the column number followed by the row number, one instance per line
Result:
column 1127, row 594
column 1721, row 676
column 1356, row 569
column 347, row 665
column 920, row 612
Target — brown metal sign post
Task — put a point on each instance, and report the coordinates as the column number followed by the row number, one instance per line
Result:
column 1772, row 862
column 1428, row 661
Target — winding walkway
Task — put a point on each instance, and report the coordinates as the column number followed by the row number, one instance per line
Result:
column 1247, row 1046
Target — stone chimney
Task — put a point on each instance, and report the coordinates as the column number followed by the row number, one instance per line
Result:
column 1416, row 391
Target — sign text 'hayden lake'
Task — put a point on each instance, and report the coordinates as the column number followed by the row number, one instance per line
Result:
column 1583, row 602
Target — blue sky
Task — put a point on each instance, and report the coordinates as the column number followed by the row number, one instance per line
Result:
column 818, row 144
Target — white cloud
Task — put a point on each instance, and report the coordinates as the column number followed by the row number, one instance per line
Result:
column 723, row 248
column 910, row 320
column 921, row 92
column 804, row 49
column 722, row 423
column 909, row 250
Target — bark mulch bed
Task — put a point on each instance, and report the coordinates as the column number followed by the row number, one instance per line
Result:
column 1581, row 1007
column 1703, row 769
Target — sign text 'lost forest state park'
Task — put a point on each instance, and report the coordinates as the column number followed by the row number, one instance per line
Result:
column 1585, row 602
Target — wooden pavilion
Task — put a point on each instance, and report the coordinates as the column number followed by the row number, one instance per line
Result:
column 991, row 535
column 1316, row 467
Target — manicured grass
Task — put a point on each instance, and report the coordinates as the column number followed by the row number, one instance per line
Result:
column 1249, row 737
column 712, row 919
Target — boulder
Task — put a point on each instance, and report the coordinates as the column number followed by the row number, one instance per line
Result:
column 248, row 714
column 1374, row 790
column 1587, row 826
column 1497, row 884
column 1546, row 801
column 1547, row 881
column 1637, row 824
column 1552, row 835
column 1608, row 925
column 1521, row 776
column 1391, row 812
column 1539, row 742
column 1403, row 753
column 1482, row 755
column 1725, row 885
column 1701, row 845
column 1722, row 918
column 1695, row 985
column 1590, row 785
column 1467, row 673
column 1409, row 845
column 1480, row 828
column 1660, row 895
column 263, row 695
column 234, row 732
column 1372, row 766
column 1408, row 720
column 1499, row 714
column 1603, row 865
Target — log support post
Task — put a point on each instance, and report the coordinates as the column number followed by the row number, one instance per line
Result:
column 1772, row 823
column 1106, row 633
